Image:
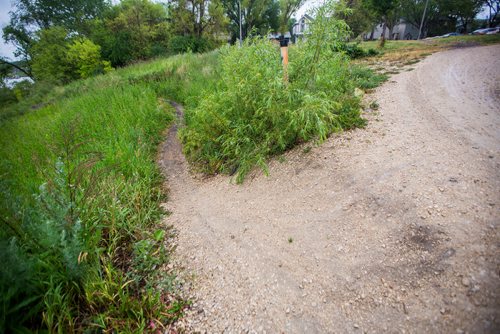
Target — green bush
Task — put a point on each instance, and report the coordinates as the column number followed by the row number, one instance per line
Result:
column 85, row 57
column 49, row 56
column 366, row 78
column 181, row 44
column 7, row 96
column 29, row 97
column 58, row 58
column 354, row 51
column 22, row 89
column 372, row 52
column 255, row 113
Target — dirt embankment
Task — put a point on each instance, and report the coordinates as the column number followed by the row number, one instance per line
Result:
column 392, row 228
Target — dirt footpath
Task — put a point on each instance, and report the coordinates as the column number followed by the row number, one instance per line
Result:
column 393, row 228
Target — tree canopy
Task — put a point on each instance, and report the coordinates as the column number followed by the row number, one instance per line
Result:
column 442, row 16
column 119, row 33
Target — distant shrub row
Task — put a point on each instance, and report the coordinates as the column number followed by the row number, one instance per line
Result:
column 354, row 51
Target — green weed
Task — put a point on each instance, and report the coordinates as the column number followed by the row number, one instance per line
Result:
column 80, row 196
column 254, row 112
column 366, row 78
column 374, row 105
column 412, row 61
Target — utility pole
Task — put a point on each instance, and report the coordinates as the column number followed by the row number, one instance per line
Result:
column 241, row 35
column 422, row 22
column 284, row 57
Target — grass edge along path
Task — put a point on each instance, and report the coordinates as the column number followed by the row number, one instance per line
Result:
column 407, row 51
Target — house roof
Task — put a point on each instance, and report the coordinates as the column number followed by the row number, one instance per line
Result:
column 306, row 17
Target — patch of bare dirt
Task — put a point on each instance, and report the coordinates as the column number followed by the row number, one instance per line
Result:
column 392, row 228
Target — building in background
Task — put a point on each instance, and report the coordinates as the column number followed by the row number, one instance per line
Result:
column 300, row 28
column 401, row 30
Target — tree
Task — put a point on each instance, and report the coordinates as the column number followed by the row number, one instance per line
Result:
column 6, row 64
column 358, row 17
column 7, row 95
column 493, row 8
column 60, row 58
column 287, row 9
column 30, row 16
column 382, row 9
column 464, row 11
column 437, row 20
column 70, row 14
column 49, row 56
column 291, row 23
column 257, row 16
column 132, row 30
column 412, row 12
column 218, row 22
column 197, row 17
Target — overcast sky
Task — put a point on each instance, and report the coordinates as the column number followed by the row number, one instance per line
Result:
column 6, row 50
column 310, row 4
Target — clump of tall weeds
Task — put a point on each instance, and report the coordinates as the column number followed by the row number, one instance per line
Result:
column 83, row 254
column 256, row 112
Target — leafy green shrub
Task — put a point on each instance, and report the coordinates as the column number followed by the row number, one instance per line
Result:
column 85, row 57
column 372, row 52
column 354, row 51
column 181, row 44
column 50, row 243
column 49, row 55
column 132, row 30
column 22, row 89
column 254, row 113
column 20, row 293
column 7, row 96
column 29, row 97
column 149, row 254
column 58, row 58
column 366, row 78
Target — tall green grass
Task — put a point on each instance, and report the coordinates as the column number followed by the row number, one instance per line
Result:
column 79, row 199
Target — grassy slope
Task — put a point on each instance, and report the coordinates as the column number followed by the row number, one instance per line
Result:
column 119, row 113
column 107, row 126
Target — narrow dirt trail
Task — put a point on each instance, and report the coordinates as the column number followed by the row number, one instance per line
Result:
column 393, row 228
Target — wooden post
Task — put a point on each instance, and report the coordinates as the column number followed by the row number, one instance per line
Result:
column 284, row 58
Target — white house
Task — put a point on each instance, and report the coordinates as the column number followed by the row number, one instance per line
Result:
column 402, row 30
column 300, row 27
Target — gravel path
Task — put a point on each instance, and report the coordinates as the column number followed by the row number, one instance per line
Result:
column 393, row 228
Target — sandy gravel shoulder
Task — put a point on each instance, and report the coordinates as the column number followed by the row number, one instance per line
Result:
column 391, row 228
